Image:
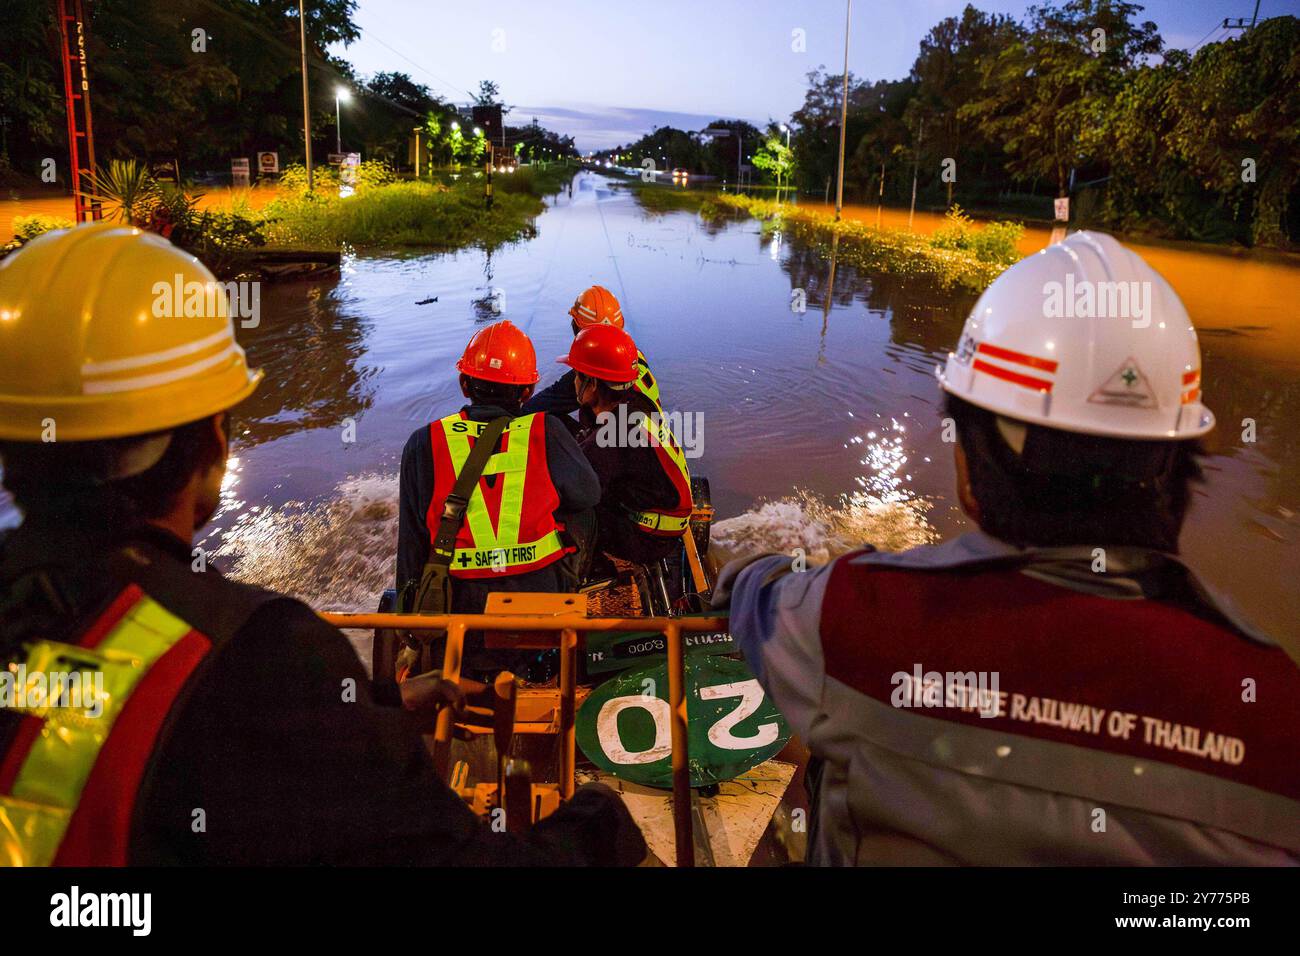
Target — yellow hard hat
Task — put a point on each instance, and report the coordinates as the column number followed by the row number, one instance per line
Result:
column 109, row 331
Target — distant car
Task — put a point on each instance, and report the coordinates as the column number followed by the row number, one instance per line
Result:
column 681, row 175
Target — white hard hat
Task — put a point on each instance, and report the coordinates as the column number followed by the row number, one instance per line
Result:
column 1086, row 337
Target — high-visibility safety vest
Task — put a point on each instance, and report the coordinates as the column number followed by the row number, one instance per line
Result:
column 69, row 779
column 674, row 520
column 645, row 380
column 509, row 525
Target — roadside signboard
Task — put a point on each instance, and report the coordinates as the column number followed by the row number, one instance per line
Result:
column 336, row 159
column 1062, row 208
column 167, row 171
column 348, row 169
column 268, row 163
column 239, row 175
column 624, row 727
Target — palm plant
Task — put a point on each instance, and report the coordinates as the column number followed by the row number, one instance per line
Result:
column 126, row 189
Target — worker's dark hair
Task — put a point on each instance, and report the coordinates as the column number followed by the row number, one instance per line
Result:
column 1067, row 488
column 608, row 392
column 40, row 473
column 483, row 392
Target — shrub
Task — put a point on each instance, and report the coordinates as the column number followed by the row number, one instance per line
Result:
column 29, row 227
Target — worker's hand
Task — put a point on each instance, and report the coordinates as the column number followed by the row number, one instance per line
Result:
column 429, row 693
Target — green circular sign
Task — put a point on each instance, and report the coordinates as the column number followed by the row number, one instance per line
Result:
column 624, row 726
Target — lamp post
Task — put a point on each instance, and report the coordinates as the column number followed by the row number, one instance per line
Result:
column 340, row 93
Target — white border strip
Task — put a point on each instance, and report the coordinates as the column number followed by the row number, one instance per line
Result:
column 155, row 358
column 158, row 378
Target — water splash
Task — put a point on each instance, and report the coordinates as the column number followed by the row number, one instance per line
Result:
column 336, row 555
column 824, row 530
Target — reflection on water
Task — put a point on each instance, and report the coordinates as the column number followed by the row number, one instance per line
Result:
column 821, row 424
column 312, row 354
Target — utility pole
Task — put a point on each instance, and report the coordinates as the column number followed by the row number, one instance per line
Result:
column 1239, row 23
column 306, row 102
column 844, row 111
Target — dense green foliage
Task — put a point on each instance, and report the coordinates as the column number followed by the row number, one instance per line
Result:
column 1078, row 98
column 960, row 255
column 162, row 92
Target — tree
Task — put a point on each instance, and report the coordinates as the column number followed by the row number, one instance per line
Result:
column 946, row 77
column 1238, row 123
column 774, row 157
column 388, row 109
column 31, row 94
column 1042, row 92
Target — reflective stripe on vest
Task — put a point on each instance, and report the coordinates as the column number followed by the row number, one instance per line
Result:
column 525, row 534
column 69, row 780
column 645, row 380
column 667, row 522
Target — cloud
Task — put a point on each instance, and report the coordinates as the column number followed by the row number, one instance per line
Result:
column 600, row 127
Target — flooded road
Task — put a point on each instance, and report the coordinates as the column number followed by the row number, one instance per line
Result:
column 821, row 428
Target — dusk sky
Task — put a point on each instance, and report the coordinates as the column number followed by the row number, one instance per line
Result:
column 606, row 73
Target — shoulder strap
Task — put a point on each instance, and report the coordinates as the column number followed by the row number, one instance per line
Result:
column 453, row 509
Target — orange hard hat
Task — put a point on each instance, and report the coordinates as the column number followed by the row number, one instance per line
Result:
column 500, row 352
column 597, row 306
column 605, row 352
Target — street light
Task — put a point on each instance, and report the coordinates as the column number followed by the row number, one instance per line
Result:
column 340, row 93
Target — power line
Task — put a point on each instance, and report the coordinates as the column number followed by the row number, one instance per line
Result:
column 319, row 62
column 1214, row 29
column 452, row 86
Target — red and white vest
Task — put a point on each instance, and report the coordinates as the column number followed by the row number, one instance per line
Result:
column 509, row 525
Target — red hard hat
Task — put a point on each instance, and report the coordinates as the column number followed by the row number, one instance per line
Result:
column 605, row 352
column 597, row 306
column 502, row 353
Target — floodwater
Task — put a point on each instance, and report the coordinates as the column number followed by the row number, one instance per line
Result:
column 820, row 428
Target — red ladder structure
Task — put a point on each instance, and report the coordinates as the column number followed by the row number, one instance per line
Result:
column 76, row 90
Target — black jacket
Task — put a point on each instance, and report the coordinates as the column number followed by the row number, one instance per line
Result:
column 631, row 479
column 558, row 398
column 262, row 739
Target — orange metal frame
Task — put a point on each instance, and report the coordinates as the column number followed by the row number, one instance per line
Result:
column 565, row 630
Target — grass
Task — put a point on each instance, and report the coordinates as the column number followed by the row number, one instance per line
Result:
column 662, row 199
column 382, row 212
column 411, row 213
column 961, row 254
